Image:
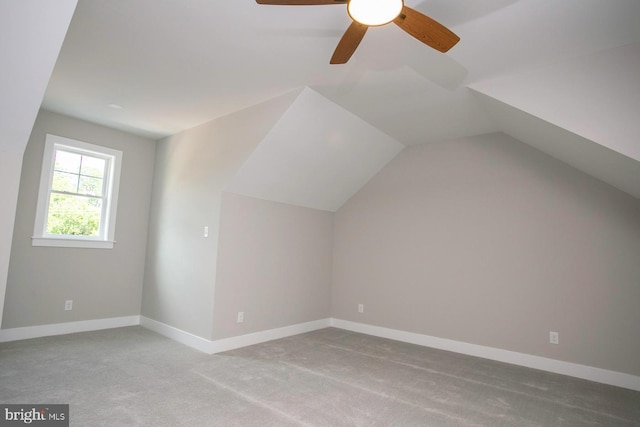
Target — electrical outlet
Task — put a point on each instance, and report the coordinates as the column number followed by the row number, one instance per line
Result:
column 554, row 338
column 68, row 305
column 240, row 316
column 360, row 308
column 205, row 232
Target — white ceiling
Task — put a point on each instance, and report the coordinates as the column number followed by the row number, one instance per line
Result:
column 317, row 155
column 174, row 64
column 583, row 111
column 27, row 62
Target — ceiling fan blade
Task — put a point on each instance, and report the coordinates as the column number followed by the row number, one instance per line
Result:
column 300, row 2
column 425, row 29
column 349, row 43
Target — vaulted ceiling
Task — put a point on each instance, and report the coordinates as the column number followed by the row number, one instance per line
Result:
column 563, row 76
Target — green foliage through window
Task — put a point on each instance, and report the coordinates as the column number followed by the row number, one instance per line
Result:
column 75, row 204
column 73, row 215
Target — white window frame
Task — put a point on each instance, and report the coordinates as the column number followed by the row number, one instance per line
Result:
column 106, row 238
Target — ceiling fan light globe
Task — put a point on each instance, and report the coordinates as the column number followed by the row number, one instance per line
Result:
column 374, row 12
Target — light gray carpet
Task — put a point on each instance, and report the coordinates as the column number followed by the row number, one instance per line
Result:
column 134, row 377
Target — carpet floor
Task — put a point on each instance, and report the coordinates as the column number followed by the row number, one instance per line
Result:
column 135, row 377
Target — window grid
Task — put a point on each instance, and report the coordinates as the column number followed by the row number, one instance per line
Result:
column 80, row 175
column 99, row 202
column 78, row 195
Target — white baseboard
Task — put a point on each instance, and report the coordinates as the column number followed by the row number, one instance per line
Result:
column 210, row 347
column 272, row 334
column 536, row 362
column 226, row 344
column 27, row 332
column 176, row 334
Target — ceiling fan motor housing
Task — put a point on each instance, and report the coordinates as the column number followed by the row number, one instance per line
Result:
column 374, row 12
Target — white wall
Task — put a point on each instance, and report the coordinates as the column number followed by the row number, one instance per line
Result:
column 31, row 34
column 487, row 241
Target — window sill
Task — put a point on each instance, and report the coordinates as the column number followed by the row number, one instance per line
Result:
column 71, row 243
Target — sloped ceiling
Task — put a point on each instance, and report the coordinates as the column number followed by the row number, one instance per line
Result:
column 27, row 62
column 536, row 69
column 317, row 156
column 583, row 111
column 583, row 154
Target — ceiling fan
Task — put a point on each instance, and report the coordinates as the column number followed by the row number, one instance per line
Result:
column 371, row 13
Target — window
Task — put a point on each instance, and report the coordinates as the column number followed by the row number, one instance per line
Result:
column 78, row 195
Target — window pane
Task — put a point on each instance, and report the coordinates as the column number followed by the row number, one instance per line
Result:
column 64, row 181
column 67, row 162
column 77, row 206
column 92, row 166
column 74, row 215
column 91, row 186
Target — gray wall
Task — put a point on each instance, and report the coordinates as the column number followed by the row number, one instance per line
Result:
column 102, row 283
column 482, row 240
column 487, row 241
column 192, row 169
column 274, row 264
